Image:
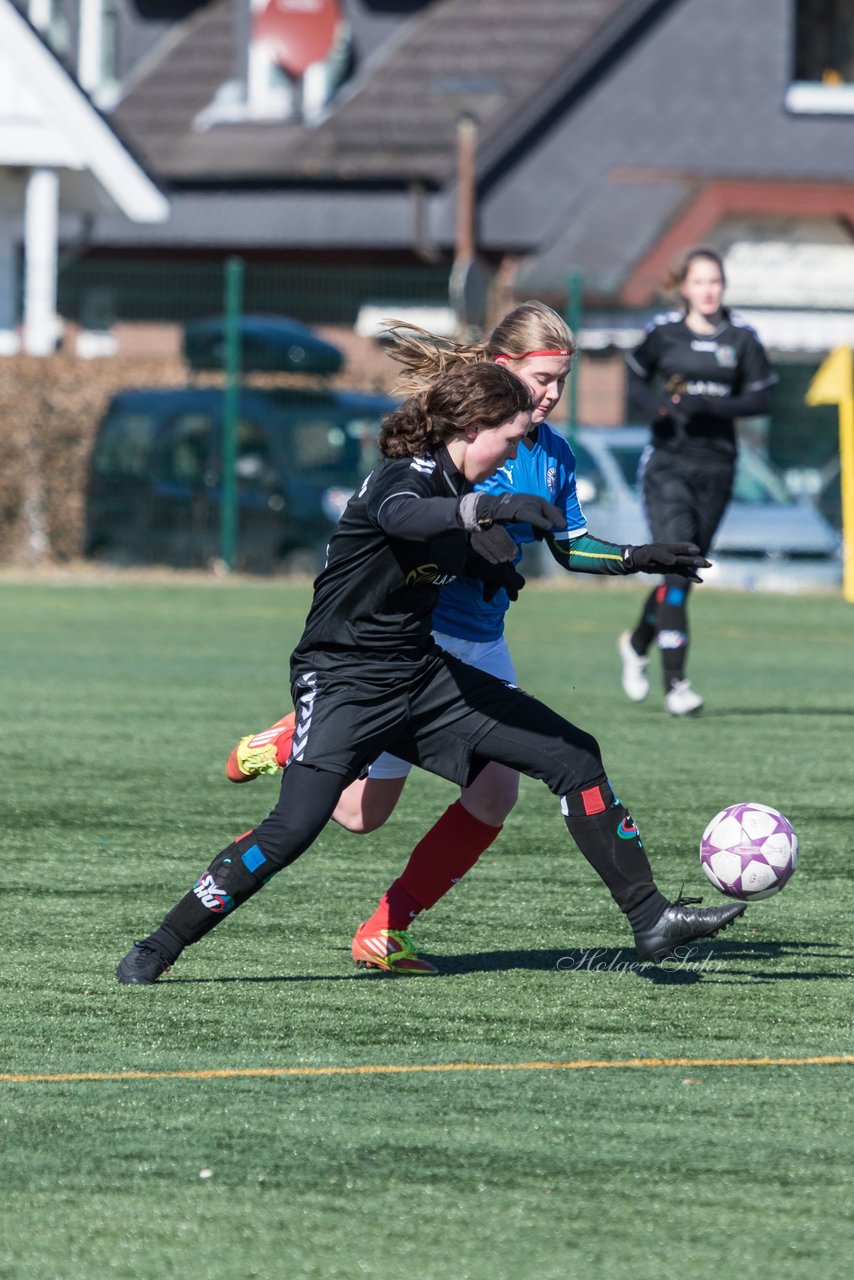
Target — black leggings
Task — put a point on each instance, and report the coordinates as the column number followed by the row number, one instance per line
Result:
column 547, row 747
column 685, row 498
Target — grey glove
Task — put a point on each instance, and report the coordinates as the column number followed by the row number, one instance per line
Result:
column 510, row 508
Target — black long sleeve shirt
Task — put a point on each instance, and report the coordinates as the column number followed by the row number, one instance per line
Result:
column 720, row 376
column 399, row 541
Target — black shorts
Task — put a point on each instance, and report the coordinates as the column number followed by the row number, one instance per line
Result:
column 436, row 716
column 685, row 494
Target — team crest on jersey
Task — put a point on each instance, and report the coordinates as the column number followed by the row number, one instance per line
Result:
column 726, row 356
column 551, row 481
column 428, row 575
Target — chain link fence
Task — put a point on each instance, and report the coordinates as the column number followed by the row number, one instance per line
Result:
column 176, row 480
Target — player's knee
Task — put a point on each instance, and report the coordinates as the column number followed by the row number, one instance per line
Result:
column 356, row 821
column 497, row 813
column 351, row 819
column 582, row 765
column 586, row 801
column 492, row 798
column 367, row 804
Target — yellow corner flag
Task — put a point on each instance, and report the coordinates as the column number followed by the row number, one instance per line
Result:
column 833, row 383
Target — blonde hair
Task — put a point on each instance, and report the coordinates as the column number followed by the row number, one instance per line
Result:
column 529, row 328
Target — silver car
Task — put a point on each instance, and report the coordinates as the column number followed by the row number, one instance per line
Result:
column 767, row 540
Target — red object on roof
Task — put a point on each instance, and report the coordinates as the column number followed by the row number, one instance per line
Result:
column 301, row 31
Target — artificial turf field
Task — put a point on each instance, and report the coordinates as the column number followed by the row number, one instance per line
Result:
column 547, row 1107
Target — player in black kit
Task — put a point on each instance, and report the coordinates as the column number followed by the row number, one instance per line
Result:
column 694, row 373
column 367, row 675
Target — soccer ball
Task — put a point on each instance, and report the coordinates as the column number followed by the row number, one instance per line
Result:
column 749, row 851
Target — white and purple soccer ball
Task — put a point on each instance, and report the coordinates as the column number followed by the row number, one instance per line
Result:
column 749, row 851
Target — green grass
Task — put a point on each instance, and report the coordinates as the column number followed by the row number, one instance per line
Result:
column 119, row 704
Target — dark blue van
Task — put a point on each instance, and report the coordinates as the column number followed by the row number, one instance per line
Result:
column 154, row 493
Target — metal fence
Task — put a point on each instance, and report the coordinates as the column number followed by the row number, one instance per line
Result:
column 97, row 293
column 208, row 511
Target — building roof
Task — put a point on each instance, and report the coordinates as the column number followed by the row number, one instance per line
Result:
column 46, row 119
column 609, row 130
column 497, row 60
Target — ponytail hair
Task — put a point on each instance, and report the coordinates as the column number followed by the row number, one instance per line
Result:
column 531, row 328
column 425, row 356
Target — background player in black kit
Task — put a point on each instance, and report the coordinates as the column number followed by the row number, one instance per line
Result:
column 367, row 675
column 693, row 374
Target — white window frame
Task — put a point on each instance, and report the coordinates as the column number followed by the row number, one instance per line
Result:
column 815, row 97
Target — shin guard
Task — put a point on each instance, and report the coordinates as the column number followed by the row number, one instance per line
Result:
column 611, row 843
column 233, row 877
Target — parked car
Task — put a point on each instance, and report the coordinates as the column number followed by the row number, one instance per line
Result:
column 268, row 344
column 154, row 491
column 766, row 540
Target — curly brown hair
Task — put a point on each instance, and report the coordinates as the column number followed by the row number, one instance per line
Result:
column 529, row 327
column 468, row 397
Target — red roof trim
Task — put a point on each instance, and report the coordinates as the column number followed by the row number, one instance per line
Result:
column 720, row 198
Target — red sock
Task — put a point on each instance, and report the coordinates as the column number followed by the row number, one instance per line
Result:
column 450, row 848
column 396, row 910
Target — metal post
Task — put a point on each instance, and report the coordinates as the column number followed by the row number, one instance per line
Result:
column 574, row 293
column 846, row 482
column 231, row 408
column 41, row 326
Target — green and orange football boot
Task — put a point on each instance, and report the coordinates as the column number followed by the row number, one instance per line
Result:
column 266, row 752
column 391, row 950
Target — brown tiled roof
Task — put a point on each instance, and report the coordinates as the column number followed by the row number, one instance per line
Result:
column 498, row 60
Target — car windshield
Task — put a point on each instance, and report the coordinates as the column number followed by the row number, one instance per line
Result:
column 756, row 483
column 124, row 444
column 321, row 446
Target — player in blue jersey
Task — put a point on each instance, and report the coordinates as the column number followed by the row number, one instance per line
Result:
column 535, row 343
column 368, row 676
column 696, row 371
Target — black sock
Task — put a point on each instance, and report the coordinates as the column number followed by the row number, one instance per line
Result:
column 166, row 942
column 306, row 801
column 609, row 840
column 644, row 633
column 672, row 630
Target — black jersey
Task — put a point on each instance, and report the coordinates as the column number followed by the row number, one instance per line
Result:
column 399, row 541
column 731, row 361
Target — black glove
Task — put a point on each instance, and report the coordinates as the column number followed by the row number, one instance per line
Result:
column 682, row 409
column 512, row 584
column 688, row 407
column 682, row 558
column 493, row 544
column 521, row 508
column 494, row 575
